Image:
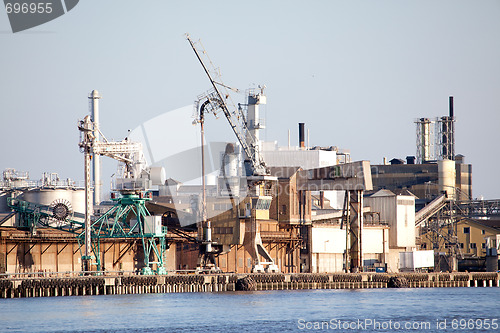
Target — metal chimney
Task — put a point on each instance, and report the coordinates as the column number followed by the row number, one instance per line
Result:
column 301, row 136
column 96, row 159
column 451, row 106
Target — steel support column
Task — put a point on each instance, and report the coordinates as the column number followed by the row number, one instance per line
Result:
column 352, row 219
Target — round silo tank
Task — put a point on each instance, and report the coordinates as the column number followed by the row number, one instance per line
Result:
column 211, row 180
column 46, row 196
column 157, row 175
column 68, row 196
column 78, row 201
column 232, row 165
column 447, row 177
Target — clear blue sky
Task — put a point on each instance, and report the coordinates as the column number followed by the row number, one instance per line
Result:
column 356, row 72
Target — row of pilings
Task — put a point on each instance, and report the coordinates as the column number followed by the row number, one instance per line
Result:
column 15, row 287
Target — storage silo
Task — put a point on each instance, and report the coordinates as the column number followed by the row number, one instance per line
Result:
column 70, row 201
column 230, row 179
column 447, row 177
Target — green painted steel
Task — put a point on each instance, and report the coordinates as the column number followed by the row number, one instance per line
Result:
column 124, row 220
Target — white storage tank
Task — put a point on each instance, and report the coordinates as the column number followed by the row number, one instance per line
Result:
column 73, row 199
column 447, row 177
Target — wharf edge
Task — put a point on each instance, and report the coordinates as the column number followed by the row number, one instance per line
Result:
column 17, row 287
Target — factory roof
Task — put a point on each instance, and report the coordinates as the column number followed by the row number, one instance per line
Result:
column 490, row 223
column 284, row 172
column 389, row 193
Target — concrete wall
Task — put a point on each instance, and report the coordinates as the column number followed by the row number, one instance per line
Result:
column 327, row 262
column 405, row 221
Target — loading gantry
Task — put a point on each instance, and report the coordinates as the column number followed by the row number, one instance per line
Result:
column 129, row 217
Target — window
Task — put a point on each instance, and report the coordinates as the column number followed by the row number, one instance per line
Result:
column 405, row 202
column 223, row 206
column 466, row 230
column 473, row 246
column 263, row 204
column 223, row 230
column 283, row 209
column 483, row 232
column 483, row 245
column 461, row 245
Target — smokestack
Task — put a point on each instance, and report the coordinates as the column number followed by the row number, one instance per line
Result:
column 451, row 106
column 301, row 136
column 94, row 109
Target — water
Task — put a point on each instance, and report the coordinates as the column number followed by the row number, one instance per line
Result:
column 270, row 311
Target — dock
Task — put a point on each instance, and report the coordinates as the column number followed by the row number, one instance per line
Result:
column 18, row 287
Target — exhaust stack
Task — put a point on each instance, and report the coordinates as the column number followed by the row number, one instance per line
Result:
column 301, row 136
column 96, row 159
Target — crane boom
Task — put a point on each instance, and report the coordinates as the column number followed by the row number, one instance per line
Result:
column 217, row 100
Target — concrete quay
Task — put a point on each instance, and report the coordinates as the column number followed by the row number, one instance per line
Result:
column 16, row 287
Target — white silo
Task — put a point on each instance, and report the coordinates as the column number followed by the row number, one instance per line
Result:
column 447, row 177
column 230, row 164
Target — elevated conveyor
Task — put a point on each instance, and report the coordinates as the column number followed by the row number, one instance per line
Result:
column 431, row 209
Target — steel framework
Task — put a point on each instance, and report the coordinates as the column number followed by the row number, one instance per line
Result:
column 115, row 223
column 352, row 218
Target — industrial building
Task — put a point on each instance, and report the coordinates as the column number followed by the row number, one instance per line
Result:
column 269, row 209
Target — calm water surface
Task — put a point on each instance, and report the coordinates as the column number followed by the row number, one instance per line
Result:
column 270, row 311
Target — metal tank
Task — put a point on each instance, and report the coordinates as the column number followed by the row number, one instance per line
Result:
column 229, row 177
column 72, row 199
column 447, row 177
column 78, row 203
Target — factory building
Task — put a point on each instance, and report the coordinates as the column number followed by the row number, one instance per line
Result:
column 328, row 247
column 303, row 210
column 388, row 229
column 472, row 236
column 434, row 170
column 428, row 180
column 398, row 211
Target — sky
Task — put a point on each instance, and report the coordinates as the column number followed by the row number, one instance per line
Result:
column 358, row 73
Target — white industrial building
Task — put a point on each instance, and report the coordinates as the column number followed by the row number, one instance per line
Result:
column 329, row 245
column 276, row 156
column 382, row 240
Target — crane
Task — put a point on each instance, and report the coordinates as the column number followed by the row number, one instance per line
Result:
column 246, row 131
column 135, row 178
column 218, row 98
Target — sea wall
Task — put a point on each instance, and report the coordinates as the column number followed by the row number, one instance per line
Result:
column 14, row 287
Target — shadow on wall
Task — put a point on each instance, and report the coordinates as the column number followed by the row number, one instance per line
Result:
column 24, row 257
